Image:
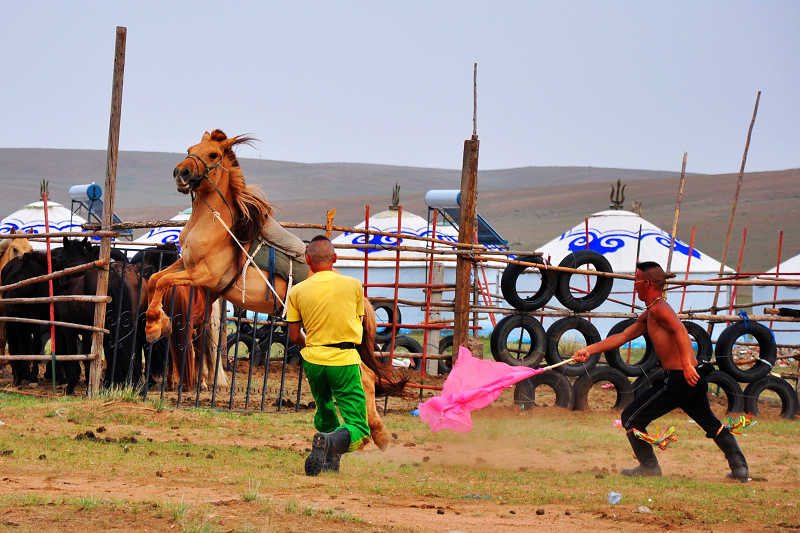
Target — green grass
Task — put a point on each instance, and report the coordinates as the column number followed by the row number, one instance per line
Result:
column 127, row 393
column 248, row 456
column 251, row 494
column 177, row 511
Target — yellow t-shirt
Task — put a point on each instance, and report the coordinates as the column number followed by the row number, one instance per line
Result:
column 330, row 306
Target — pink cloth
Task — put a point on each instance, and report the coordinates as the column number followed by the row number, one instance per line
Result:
column 472, row 384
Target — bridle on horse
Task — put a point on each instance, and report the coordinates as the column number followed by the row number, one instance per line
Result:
column 249, row 257
column 204, row 176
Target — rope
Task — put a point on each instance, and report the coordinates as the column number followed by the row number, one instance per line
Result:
column 247, row 262
column 249, row 259
column 745, row 319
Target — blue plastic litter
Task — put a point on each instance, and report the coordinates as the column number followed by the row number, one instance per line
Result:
column 415, row 412
column 614, row 497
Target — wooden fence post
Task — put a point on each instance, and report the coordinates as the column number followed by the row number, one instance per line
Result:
column 434, row 335
column 108, row 206
column 466, row 233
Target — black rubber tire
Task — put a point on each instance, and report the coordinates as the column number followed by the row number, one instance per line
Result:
column 508, row 285
column 258, row 354
column 732, row 390
column 646, row 379
column 525, row 390
column 499, row 340
column 385, row 333
column 602, row 287
column 445, row 365
column 614, row 357
column 780, row 386
column 766, row 346
column 409, row 345
column 557, row 330
column 704, row 347
column 582, row 386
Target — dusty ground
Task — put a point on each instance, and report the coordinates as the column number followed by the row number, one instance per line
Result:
column 544, row 469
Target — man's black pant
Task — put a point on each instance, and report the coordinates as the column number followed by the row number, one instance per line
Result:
column 662, row 398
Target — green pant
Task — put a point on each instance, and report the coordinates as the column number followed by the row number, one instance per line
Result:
column 341, row 384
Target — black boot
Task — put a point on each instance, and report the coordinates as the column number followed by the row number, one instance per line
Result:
column 331, row 463
column 324, row 448
column 648, row 464
column 727, row 443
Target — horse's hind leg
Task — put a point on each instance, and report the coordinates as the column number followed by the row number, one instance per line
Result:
column 376, row 428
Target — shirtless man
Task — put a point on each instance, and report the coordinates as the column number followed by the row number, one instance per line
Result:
column 683, row 386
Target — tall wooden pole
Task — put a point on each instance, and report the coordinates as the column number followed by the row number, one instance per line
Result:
column 108, row 205
column 466, row 226
column 677, row 214
column 733, row 209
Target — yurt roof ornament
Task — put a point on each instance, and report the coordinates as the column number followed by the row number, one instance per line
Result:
column 617, row 196
column 395, row 205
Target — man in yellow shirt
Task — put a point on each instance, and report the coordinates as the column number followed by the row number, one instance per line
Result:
column 330, row 307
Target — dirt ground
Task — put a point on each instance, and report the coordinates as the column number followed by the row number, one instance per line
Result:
column 113, row 464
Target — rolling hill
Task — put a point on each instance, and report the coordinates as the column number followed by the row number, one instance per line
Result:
column 528, row 205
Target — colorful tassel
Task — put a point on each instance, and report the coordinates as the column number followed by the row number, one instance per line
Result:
column 662, row 441
column 742, row 423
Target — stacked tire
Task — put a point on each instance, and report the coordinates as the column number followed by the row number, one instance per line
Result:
column 534, row 343
column 623, row 363
column 558, row 283
column 758, row 377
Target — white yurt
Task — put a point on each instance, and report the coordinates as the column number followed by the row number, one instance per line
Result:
column 616, row 235
column 381, row 263
column 155, row 236
column 31, row 219
column 785, row 332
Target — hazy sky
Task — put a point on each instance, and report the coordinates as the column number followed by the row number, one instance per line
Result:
column 616, row 84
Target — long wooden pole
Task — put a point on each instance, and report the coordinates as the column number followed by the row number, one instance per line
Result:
column 466, row 232
column 112, row 155
column 57, row 274
column 735, row 203
column 777, row 268
column 21, row 320
column 54, row 234
column 677, row 214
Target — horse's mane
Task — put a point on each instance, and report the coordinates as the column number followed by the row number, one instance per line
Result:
column 252, row 209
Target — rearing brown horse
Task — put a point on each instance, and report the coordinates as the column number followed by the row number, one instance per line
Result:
column 211, row 258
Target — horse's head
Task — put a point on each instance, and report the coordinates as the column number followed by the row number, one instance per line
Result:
column 75, row 252
column 203, row 160
column 11, row 248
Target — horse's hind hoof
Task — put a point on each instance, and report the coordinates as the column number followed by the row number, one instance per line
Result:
column 380, row 438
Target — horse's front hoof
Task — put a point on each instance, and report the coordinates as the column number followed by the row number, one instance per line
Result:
column 152, row 333
column 158, row 328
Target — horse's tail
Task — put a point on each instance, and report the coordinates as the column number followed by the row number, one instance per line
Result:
column 384, row 384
